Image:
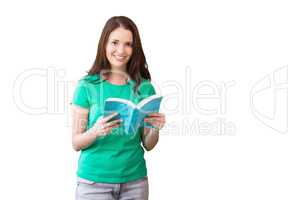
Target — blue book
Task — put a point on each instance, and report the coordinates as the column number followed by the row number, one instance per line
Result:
column 132, row 115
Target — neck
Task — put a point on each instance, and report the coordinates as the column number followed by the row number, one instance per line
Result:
column 117, row 77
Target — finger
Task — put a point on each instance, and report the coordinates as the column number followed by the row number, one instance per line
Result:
column 108, row 124
column 153, row 122
column 156, row 123
column 157, row 114
column 105, row 119
column 113, row 126
column 116, row 125
column 153, row 119
column 107, row 130
column 99, row 119
column 156, row 126
column 148, row 119
column 154, row 114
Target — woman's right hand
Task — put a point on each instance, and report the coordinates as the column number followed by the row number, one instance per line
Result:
column 103, row 125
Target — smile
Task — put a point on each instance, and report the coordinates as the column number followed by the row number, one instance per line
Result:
column 120, row 58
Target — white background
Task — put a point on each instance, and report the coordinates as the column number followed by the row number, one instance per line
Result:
column 187, row 46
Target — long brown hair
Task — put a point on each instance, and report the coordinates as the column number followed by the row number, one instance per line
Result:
column 137, row 67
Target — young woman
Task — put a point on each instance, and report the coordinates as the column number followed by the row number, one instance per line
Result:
column 111, row 163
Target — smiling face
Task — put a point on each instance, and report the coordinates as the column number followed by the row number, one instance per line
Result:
column 119, row 48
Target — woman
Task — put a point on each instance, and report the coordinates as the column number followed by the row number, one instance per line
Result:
column 111, row 163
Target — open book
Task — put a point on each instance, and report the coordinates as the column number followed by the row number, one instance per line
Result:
column 132, row 115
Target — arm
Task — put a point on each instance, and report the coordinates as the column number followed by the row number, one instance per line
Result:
column 150, row 138
column 151, row 135
column 82, row 138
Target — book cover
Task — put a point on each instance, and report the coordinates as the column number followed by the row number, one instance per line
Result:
column 132, row 115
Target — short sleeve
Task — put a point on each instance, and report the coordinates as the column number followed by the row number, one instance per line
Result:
column 80, row 96
column 146, row 89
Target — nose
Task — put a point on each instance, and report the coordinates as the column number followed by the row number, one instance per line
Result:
column 120, row 49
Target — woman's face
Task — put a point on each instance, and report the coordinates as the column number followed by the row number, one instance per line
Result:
column 119, row 48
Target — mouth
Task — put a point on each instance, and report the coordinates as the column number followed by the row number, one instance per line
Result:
column 120, row 58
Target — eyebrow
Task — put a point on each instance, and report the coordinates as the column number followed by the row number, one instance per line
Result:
column 119, row 41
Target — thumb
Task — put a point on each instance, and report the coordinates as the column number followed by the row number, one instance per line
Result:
column 100, row 119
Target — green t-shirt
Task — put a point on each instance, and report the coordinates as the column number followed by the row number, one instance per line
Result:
column 116, row 157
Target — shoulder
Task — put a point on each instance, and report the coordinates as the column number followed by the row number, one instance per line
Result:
column 146, row 83
column 89, row 80
column 91, row 77
column 146, row 87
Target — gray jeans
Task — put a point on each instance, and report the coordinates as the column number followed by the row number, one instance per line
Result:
column 133, row 190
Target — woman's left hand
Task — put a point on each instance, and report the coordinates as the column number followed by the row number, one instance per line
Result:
column 157, row 120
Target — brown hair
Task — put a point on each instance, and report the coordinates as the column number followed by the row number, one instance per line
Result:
column 137, row 67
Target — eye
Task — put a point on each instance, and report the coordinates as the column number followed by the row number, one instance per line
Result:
column 114, row 42
column 129, row 44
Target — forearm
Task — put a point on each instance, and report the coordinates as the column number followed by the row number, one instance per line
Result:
column 150, row 138
column 82, row 141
